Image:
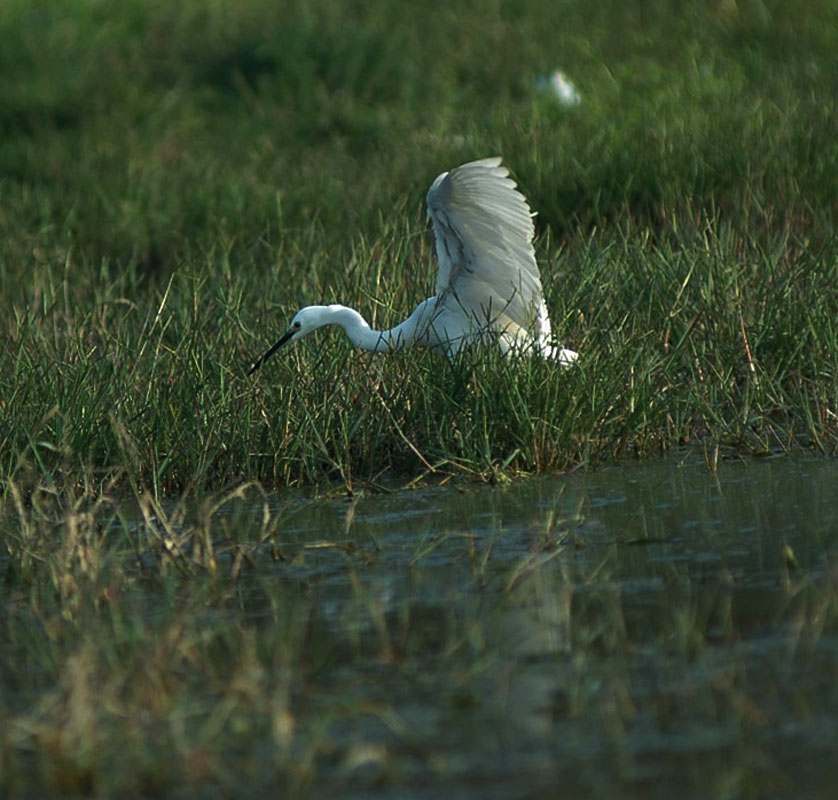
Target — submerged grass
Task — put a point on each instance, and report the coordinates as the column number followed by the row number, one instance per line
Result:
column 177, row 179
column 232, row 645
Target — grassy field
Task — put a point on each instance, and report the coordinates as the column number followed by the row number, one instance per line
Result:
column 176, row 180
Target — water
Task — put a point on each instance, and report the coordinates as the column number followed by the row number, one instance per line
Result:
column 649, row 630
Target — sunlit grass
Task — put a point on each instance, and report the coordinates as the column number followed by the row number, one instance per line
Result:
column 719, row 341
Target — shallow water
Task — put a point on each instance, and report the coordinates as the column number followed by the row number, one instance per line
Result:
column 649, row 630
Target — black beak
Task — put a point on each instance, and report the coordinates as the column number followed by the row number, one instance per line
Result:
column 259, row 361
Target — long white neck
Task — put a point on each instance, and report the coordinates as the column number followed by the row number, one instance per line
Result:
column 362, row 335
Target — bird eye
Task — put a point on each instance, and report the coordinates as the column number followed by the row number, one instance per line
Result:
column 296, row 325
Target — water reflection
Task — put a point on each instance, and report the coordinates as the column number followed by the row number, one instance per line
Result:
column 665, row 513
column 635, row 630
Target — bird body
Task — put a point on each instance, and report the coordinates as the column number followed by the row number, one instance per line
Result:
column 488, row 288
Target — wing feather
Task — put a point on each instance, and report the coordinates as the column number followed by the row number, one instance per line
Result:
column 484, row 231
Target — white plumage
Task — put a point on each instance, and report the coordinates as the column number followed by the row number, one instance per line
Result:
column 488, row 288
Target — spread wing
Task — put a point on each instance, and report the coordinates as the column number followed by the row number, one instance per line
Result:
column 484, row 230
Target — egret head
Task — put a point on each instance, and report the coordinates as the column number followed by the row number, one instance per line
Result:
column 305, row 321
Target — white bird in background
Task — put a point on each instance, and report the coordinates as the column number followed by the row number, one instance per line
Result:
column 488, row 288
column 561, row 87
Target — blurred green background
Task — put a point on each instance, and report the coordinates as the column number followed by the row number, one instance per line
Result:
column 144, row 130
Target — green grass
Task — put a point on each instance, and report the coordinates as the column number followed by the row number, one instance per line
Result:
column 176, row 180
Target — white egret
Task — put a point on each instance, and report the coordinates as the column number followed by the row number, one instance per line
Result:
column 488, row 288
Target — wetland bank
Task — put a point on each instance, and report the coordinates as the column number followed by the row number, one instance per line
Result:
column 616, row 582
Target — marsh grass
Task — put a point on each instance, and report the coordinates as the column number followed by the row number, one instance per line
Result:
column 177, row 179
column 718, row 342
